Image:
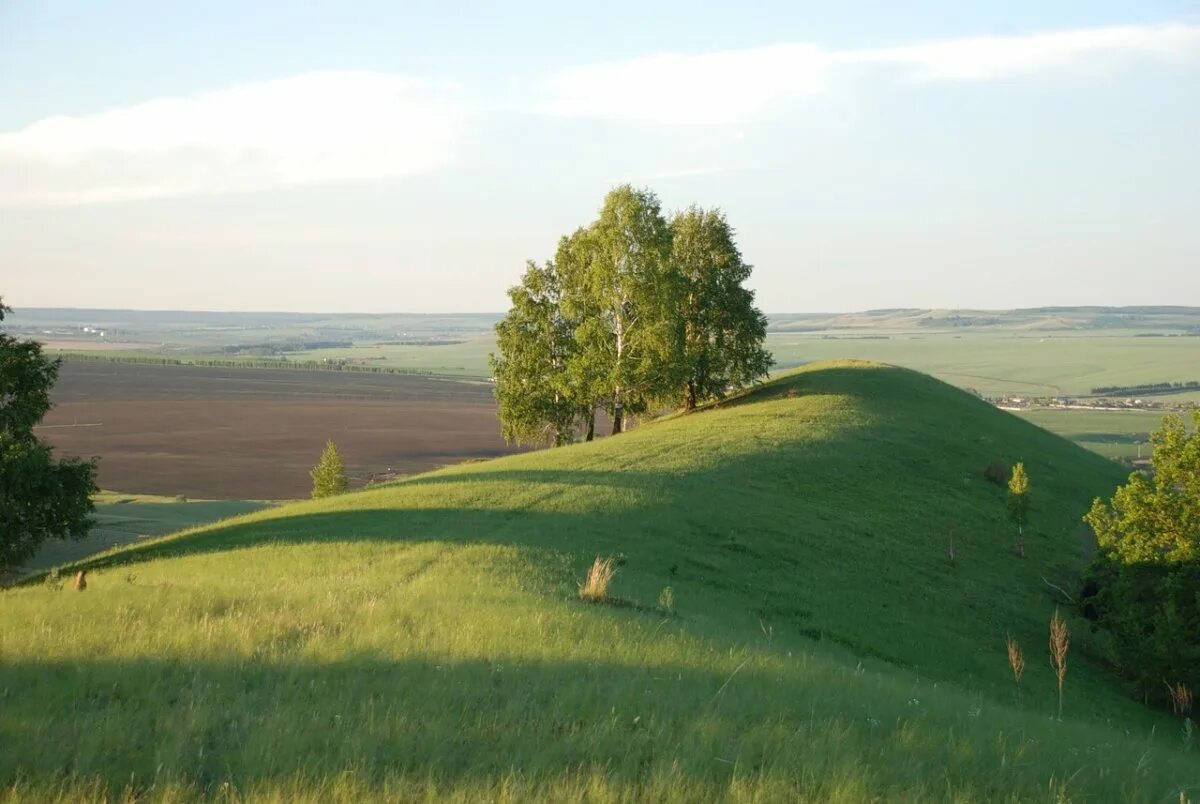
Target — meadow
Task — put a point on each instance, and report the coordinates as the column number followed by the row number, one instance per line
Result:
column 424, row 639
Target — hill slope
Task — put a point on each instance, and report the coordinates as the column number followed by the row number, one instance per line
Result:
column 424, row 639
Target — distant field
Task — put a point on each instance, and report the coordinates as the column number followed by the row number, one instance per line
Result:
column 468, row 358
column 1113, row 434
column 1011, row 364
column 125, row 518
column 994, row 364
column 253, row 434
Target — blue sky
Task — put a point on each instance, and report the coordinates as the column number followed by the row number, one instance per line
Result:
column 402, row 157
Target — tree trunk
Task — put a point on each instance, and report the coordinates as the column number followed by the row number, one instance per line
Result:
column 618, row 416
column 591, row 433
column 689, row 399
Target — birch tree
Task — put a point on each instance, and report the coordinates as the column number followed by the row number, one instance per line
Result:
column 723, row 332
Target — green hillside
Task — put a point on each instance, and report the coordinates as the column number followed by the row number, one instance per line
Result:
column 424, row 639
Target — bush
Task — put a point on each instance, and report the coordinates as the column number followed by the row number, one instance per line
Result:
column 997, row 472
column 1151, row 612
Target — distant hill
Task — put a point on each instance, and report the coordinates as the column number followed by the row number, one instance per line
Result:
column 1161, row 318
column 424, row 639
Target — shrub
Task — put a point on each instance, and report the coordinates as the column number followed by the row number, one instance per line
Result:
column 595, row 588
column 997, row 472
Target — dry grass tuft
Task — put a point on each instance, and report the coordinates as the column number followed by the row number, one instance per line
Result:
column 1016, row 661
column 1181, row 698
column 1060, row 643
column 599, row 577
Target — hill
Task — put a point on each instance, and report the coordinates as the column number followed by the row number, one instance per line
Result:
column 1161, row 319
column 424, row 639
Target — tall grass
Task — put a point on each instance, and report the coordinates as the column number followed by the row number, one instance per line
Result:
column 594, row 588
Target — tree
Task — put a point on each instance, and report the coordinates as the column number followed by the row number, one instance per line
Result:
column 631, row 311
column 535, row 339
column 1143, row 585
column 723, row 332
column 1156, row 519
column 40, row 497
column 329, row 475
column 621, row 289
column 1018, row 504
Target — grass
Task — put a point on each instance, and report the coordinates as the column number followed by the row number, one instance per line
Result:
column 123, row 519
column 426, row 639
column 1123, row 434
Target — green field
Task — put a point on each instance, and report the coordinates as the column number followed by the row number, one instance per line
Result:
column 125, row 518
column 468, row 358
column 1048, row 364
column 995, row 365
column 1123, row 434
column 424, row 640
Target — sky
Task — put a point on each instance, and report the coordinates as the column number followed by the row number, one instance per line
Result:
column 410, row 157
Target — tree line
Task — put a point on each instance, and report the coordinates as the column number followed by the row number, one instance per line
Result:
column 329, row 364
column 636, row 312
column 1147, row 388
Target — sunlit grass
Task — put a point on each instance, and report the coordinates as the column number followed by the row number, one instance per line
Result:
column 427, row 640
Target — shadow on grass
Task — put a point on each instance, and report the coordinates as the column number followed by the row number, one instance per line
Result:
column 128, row 724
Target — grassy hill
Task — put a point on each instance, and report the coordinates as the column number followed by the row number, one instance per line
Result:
column 425, row 639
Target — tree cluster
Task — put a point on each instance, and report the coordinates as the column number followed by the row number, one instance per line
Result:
column 40, row 497
column 1143, row 585
column 634, row 313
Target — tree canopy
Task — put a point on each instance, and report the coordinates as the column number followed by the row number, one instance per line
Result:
column 40, row 497
column 1143, row 585
column 634, row 313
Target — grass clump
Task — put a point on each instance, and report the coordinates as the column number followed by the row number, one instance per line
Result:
column 594, row 589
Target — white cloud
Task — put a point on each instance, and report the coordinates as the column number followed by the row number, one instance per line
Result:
column 731, row 86
column 992, row 57
column 708, row 88
column 308, row 128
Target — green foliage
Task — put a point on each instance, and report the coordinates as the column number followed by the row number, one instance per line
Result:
column 40, row 497
column 723, row 332
column 1144, row 583
column 1156, row 519
column 329, row 475
column 535, row 342
column 1018, row 497
column 632, row 310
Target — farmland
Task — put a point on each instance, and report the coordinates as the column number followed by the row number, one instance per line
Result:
column 1123, row 434
column 241, row 433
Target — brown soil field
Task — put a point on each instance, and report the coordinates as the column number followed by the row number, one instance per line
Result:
column 219, row 433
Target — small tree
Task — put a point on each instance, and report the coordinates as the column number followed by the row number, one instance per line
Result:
column 1018, row 504
column 1142, row 583
column 329, row 475
column 41, row 497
